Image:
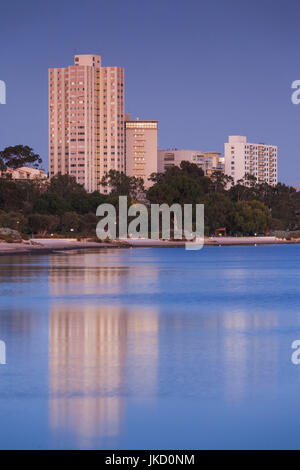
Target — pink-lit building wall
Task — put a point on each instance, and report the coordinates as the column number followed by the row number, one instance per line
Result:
column 86, row 120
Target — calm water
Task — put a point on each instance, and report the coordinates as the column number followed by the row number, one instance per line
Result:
column 151, row 348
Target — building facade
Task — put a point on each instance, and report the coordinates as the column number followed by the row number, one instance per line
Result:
column 86, row 120
column 208, row 161
column 25, row 173
column 141, row 149
column 259, row 160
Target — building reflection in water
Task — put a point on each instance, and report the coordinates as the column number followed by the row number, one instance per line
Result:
column 249, row 351
column 92, row 353
column 102, row 273
column 101, row 355
column 98, row 353
column 223, row 355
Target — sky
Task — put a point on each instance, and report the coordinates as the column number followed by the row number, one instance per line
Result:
column 203, row 69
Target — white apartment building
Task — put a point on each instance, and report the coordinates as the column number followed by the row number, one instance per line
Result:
column 208, row 161
column 243, row 157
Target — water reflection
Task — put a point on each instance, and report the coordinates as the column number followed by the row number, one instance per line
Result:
column 100, row 273
column 100, row 344
column 99, row 356
column 93, row 352
column 249, row 350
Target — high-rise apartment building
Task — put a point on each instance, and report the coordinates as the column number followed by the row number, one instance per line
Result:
column 208, row 161
column 141, row 149
column 86, row 120
column 242, row 157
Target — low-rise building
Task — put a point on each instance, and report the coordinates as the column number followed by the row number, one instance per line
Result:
column 208, row 161
column 26, row 173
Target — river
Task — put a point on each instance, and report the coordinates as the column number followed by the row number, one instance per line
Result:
column 155, row 348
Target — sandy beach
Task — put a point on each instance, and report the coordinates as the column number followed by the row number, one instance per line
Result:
column 50, row 245
column 208, row 241
column 44, row 246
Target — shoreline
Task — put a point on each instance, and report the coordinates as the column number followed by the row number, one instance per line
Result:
column 50, row 245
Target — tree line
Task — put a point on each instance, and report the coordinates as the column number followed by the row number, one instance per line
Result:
column 62, row 206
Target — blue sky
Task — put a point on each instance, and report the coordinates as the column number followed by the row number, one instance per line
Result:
column 204, row 69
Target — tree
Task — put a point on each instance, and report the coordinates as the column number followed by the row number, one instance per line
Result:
column 250, row 179
column 123, row 185
column 88, row 223
column 250, row 217
column 42, row 223
column 65, row 185
column 95, row 199
column 219, row 210
column 219, row 181
column 184, row 184
column 162, row 193
column 18, row 156
column 13, row 220
column 70, row 221
column 15, row 195
column 51, row 203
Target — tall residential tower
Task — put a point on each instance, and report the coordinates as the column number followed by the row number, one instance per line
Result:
column 86, row 120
